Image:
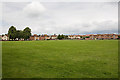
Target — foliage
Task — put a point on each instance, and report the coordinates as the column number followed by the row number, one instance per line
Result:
column 118, row 37
column 26, row 33
column 12, row 32
column 59, row 37
column 84, row 37
column 66, row 36
column 62, row 36
column 87, row 37
column 19, row 34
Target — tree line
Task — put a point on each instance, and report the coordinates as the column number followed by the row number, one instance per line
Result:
column 13, row 33
column 62, row 37
column 25, row 34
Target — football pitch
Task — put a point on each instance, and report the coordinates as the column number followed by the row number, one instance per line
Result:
column 60, row 59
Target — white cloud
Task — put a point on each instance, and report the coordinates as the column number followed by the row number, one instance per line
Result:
column 34, row 9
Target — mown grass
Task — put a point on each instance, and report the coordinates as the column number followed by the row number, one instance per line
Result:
column 60, row 59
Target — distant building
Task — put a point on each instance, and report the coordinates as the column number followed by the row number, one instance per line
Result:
column 94, row 36
column 35, row 37
column 40, row 37
column 47, row 37
column 79, row 37
column 103, row 36
column 54, row 37
column 5, row 37
column 71, row 36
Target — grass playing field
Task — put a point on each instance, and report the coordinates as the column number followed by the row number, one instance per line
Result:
column 60, row 59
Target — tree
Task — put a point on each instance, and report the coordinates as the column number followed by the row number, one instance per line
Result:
column 59, row 37
column 66, row 37
column 26, row 33
column 87, row 36
column 12, row 33
column 19, row 34
column 62, row 36
column 118, row 37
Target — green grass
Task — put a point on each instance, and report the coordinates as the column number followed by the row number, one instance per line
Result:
column 60, row 59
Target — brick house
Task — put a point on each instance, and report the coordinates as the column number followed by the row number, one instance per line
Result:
column 42, row 37
column 39, row 37
column 35, row 37
column 103, row 36
column 86, row 37
column 46, row 37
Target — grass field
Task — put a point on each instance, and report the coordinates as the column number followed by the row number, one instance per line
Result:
column 60, row 59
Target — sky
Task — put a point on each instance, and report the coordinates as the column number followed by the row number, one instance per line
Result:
column 61, row 17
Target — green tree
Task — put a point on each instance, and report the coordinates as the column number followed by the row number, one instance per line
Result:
column 118, row 37
column 62, row 36
column 12, row 33
column 66, row 37
column 19, row 34
column 59, row 36
column 87, row 36
column 26, row 33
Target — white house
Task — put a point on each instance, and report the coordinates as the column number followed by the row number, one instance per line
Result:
column 5, row 37
column 54, row 37
column 77, row 36
column 71, row 36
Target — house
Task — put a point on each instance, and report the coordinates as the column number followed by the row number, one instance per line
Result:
column 103, row 36
column 35, row 37
column 93, row 36
column 47, row 37
column 71, row 36
column 5, row 37
column 77, row 36
column 53, row 37
column 116, row 36
column 108, row 36
column 83, row 36
column 42, row 37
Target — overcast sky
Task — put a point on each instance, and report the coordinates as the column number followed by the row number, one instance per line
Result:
column 61, row 17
